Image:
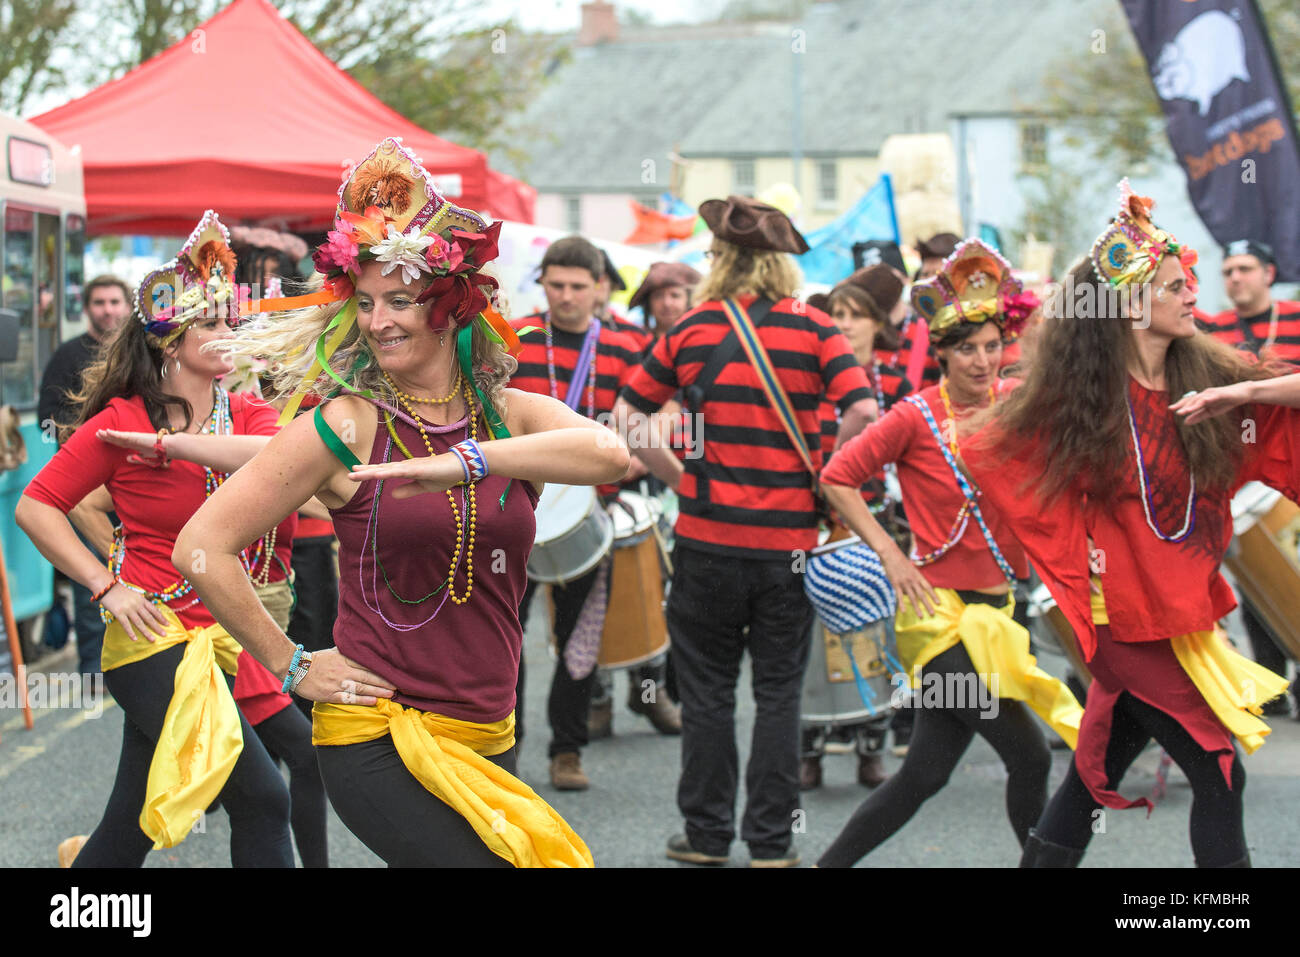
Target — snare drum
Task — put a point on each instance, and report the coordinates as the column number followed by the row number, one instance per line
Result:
column 635, row 629
column 573, row 534
column 1264, row 559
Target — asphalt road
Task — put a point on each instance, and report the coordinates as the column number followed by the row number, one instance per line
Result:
column 54, row 781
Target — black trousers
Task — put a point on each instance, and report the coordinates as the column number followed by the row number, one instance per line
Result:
column 720, row 607
column 317, row 590
column 1216, row 828
column 286, row 736
column 383, row 804
column 570, row 698
column 941, row 737
column 255, row 796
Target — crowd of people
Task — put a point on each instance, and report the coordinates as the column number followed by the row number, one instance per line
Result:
column 880, row 471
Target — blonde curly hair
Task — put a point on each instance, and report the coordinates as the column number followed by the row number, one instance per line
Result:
column 740, row 270
column 286, row 341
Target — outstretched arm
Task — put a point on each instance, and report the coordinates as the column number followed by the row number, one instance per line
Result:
column 1199, row 406
column 221, row 453
column 549, row 443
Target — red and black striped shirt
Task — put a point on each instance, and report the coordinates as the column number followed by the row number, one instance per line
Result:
column 616, row 356
column 1250, row 333
column 749, row 495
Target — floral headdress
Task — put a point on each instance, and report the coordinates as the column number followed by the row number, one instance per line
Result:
column 973, row 285
column 1130, row 249
column 390, row 211
column 200, row 281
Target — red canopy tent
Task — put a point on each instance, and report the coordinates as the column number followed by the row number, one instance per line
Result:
column 246, row 117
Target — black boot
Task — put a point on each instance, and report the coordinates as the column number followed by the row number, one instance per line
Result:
column 1041, row 853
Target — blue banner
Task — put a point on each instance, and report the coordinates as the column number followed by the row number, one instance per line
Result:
column 830, row 255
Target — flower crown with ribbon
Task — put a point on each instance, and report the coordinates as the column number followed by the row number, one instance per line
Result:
column 390, row 211
column 973, row 285
column 199, row 281
column 1130, row 249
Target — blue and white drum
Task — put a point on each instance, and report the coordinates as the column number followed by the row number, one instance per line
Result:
column 851, row 662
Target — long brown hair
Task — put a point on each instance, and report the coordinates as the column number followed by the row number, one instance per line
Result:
column 128, row 365
column 1072, row 403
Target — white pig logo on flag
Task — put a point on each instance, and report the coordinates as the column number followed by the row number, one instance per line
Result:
column 1205, row 56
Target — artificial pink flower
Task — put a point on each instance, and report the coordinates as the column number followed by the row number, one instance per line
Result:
column 443, row 256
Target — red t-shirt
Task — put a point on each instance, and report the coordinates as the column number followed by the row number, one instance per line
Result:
column 1154, row 589
column 152, row 504
column 931, row 494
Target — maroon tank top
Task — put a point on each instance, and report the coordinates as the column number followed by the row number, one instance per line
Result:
column 462, row 662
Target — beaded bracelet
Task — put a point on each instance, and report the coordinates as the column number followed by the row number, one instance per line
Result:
column 472, row 457
column 293, row 666
column 99, row 595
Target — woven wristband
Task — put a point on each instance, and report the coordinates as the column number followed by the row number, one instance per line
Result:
column 473, row 458
column 460, row 457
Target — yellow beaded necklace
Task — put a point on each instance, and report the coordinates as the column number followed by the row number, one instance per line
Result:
column 472, row 503
column 417, row 400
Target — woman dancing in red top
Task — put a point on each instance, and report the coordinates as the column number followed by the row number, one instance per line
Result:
column 1129, row 525
column 183, row 742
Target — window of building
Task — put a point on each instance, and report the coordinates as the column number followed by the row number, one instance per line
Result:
column 828, row 192
column 742, row 177
column 573, row 214
column 1033, row 145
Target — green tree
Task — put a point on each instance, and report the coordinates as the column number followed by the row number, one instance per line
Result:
column 30, row 31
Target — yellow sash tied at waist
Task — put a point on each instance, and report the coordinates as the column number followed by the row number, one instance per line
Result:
column 996, row 645
column 449, row 757
column 1233, row 686
column 200, row 740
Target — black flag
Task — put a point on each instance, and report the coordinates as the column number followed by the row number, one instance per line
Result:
column 1228, row 116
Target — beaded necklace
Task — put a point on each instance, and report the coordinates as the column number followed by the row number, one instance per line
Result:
column 952, row 419
column 468, row 507
column 1148, row 503
column 409, row 400
column 550, row 371
column 969, row 507
column 890, row 468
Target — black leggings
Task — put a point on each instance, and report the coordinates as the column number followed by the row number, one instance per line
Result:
column 287, row 737
column 254, row 796
column 941, row 737
column 383, row 804
column 1218, row 836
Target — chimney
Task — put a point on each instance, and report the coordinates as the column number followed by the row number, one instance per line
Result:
column 599, row 24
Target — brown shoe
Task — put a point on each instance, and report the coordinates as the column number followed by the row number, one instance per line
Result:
column 663, row 714
column 566, row 772
column 810, row 773
column 871, row 771
column 600, row 720
column 70, row 848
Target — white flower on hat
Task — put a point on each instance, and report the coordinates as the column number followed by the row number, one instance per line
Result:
column 406, row 251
